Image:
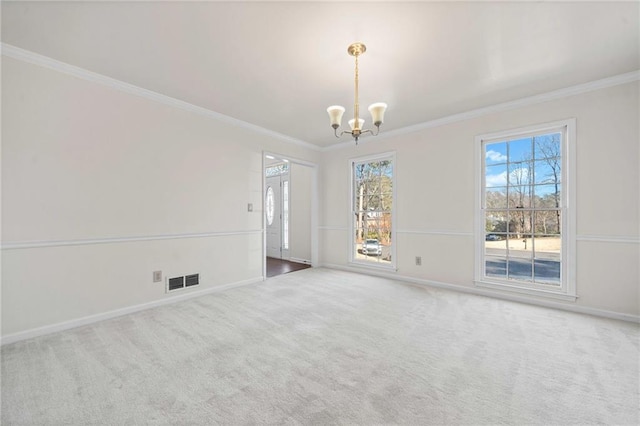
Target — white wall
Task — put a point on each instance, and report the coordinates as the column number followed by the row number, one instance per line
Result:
column 102, row 187
column 300, row 214
column 435, row 196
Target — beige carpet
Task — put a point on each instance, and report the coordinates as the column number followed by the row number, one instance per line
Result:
column 329, row 347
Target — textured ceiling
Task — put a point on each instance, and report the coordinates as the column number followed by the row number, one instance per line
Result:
column 279, row 65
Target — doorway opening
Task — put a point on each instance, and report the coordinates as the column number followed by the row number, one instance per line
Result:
column 277, row 267
column 289, row 217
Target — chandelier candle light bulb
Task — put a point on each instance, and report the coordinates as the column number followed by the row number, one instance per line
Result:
column 335, row 114
column 356, row 123
column 377, row 113
column 352, row 123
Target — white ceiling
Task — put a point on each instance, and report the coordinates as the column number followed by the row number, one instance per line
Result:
column 279, row 65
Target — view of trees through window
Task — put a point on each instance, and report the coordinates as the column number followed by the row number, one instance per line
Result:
column 523, row 209
column 372, row 209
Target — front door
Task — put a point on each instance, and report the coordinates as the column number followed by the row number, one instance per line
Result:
column 273, row 210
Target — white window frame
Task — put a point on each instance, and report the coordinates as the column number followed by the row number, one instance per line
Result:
column 567, row 288
column 286, row 204
column 394, row 241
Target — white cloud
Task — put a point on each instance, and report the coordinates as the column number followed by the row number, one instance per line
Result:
column 495, row 156
column 519, row 176
column 496, row 180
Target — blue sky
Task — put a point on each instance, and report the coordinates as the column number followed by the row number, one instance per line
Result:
column 497, row 172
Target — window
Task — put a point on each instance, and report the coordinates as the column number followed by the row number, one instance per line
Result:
column 525, row 221
column 278, row 169
column 372, row 197
column 285, row 215
column 270, row 205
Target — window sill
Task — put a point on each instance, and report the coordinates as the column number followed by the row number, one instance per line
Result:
column 549, row 294
column 377, row 267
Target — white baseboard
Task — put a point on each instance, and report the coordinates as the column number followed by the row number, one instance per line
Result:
column 488, row 293
column 66, row 325
column 298, row 260
column 41, row 331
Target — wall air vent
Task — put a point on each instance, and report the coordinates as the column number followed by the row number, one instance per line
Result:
column 175, row 283
column 190, row 280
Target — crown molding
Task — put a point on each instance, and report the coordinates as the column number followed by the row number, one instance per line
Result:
column 505, row 106
column 62, row 67
column 46, row 62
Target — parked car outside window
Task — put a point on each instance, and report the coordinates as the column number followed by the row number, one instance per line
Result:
column 372, row 246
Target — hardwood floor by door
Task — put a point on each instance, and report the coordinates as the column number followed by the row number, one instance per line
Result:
column 279, row 266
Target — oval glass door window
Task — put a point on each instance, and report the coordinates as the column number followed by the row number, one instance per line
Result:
column 270, row 205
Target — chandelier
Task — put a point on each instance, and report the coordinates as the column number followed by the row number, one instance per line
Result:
column 356, row 123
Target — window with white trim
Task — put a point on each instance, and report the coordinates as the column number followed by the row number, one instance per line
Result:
column 372, row 230
column 285, row 215
column 270, row 205
column 525, row 221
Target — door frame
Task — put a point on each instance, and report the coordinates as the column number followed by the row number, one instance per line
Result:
column 314, row 207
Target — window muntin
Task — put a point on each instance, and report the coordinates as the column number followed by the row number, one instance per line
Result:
column 372, row 211
column 524, row 210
